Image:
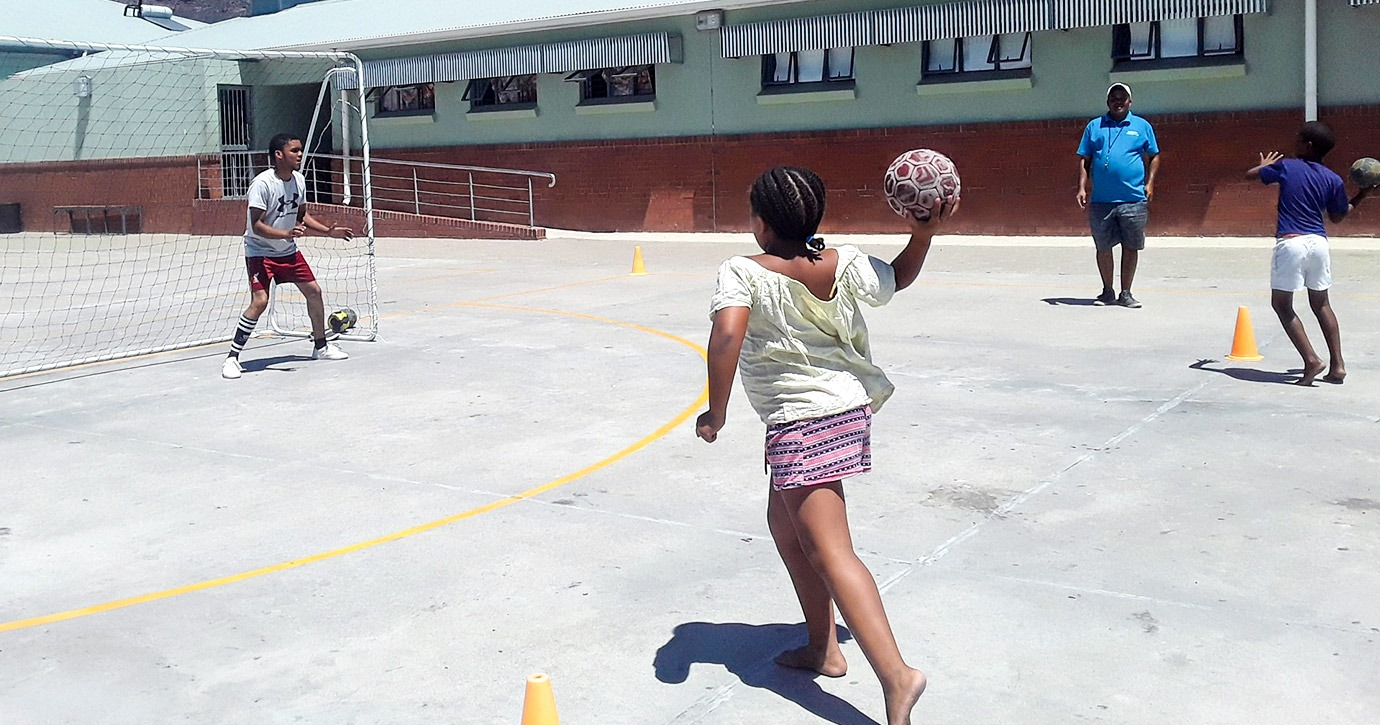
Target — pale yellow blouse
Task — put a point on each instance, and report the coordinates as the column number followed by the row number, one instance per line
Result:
column 804, row 357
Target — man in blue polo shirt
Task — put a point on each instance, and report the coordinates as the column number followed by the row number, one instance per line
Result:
column 1119, row 152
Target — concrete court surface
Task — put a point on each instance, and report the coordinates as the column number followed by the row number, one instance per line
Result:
column 1071, row 519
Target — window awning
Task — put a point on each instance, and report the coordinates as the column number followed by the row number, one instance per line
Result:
column 780, row 36
column 1359, row 3
column 962, row 19
column 1092, row 13
column 645, row 49
column 470, row 64
column 591, row 54
column 398, row 71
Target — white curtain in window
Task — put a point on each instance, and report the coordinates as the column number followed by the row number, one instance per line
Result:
column 782, row 74
column 1140, row 40
column 811, row 65
column 1015, row 50
column 1219, row 34
column 840, row 62
column 941, row 56
column 975, row 52
column 1179, row 38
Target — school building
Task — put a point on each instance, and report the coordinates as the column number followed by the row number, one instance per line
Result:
column 656, row 116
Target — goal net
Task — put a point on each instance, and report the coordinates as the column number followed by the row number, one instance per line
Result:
column 123, row 180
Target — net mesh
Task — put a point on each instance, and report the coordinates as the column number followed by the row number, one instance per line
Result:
column 123, row 175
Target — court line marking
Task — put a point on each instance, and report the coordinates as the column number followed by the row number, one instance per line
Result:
column 647, row 440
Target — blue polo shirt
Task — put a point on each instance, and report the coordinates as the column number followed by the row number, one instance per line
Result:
column 1306, row 188
column 1116, row 150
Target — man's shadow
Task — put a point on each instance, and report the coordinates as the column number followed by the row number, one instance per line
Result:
column 1251, row 375
column 266, row 363
column 747, row 651
column 1073, row 301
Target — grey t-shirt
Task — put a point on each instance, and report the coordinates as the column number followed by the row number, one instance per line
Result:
column 280, row 201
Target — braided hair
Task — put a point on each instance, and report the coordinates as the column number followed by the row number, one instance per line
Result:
column 790, row 201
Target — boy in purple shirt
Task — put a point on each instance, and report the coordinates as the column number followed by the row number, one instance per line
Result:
column 1301, row 259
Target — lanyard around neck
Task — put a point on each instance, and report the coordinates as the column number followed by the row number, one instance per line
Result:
column 1111, row 141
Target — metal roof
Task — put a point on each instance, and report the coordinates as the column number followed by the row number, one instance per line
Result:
column 90, row 21
column 363, row 24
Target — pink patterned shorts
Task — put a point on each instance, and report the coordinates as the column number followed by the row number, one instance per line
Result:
column 820, row 450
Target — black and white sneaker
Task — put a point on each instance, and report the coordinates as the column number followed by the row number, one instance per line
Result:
column 1107, row 297
column 1126, row 300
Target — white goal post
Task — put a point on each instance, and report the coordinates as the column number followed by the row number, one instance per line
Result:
column 123, row 172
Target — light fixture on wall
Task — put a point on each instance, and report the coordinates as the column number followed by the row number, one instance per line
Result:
column 81, row 87
column 709, row 20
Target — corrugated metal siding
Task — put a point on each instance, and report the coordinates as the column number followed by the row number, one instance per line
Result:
column 962, row 19
column 1359, row 3
column 471, row 64
column 780, row 36
column 1093, row 13
column 646, row 49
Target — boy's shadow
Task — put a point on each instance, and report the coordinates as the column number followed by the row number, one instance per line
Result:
column 1251, row 375
column 747, row 651
column 1073, row 301
column 266, row 363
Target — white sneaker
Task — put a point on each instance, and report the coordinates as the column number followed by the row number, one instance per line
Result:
column 230, row 369
column 331, row 351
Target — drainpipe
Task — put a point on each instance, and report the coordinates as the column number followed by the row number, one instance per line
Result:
column 1310, row 60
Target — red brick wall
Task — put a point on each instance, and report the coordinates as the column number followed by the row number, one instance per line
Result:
column 1018, row 177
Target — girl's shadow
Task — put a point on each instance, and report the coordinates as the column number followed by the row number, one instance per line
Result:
column 1251, row 375
column 747, row 651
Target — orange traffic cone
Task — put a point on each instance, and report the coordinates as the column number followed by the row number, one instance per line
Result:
column 639, row 267
column 1243, row 347
column 539, row 706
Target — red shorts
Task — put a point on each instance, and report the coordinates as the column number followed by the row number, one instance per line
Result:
column 288, row 268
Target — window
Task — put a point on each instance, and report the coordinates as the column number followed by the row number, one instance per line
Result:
column 505, row 92
column 615, row 85
column 978, row 54
column 1182, row 38
column 404, row 100
column 834, row 65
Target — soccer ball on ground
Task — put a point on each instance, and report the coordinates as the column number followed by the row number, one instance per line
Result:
column 342, row 320
column 919, row 181
column 1366, row 173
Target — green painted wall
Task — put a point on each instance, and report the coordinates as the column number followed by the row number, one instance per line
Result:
column 710, row 94
column 11, row 63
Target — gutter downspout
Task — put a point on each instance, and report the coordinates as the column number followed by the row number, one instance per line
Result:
column 1310, row 60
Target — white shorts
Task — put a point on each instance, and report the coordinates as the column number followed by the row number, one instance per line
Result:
column 1299, row 262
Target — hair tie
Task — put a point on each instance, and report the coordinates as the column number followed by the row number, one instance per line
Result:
column 815, row 243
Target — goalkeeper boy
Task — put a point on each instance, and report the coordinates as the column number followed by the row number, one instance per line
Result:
column 277, row 217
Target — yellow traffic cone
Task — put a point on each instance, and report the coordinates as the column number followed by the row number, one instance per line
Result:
column 1243, row 347
column 539, row 705
column 639, row 267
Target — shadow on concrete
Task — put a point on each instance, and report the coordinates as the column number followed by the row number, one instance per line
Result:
column 1075, row 301
column 1251, row 375
column 267, row 363
column 747, row 651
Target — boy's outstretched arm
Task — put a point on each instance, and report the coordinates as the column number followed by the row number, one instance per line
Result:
column 1350, row 205
column 908, row 263
column 725, row 342
column 1266, row 159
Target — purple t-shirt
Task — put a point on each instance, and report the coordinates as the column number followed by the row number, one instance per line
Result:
column 1306, row 188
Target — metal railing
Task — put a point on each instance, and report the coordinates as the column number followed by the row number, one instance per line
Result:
column 477, row 193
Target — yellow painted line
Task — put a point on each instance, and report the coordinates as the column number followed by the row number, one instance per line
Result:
column 660, row 432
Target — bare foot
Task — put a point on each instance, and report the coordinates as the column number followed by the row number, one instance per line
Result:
column 827, row 663
column 900, row 702
column 1335, row 375
column 1310, row 372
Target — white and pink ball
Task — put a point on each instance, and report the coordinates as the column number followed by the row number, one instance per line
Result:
column 919, row 181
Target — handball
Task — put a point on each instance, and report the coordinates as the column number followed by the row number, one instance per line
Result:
column 918, row 182
column 1366, row 173
column 342, row 320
